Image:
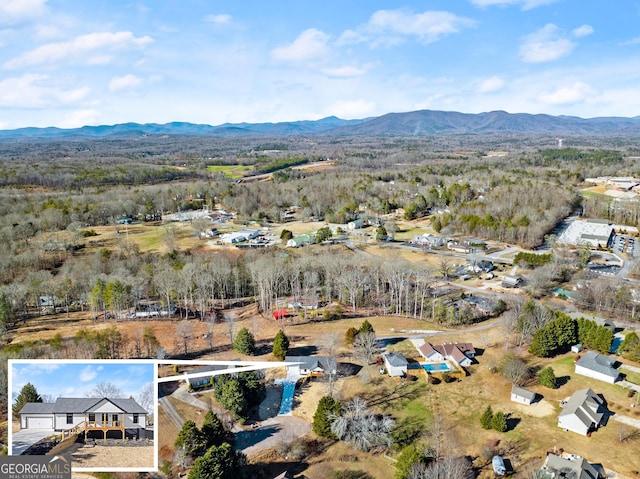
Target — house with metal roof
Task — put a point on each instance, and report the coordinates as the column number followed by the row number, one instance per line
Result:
column 88, row 415
column 597, row 366
column 584, row 412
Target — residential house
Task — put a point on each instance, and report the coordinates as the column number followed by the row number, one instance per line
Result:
column 299, row 240
column 309, row 365
column 512, row 281
column 460, row 353
column 583, row 413
column 522, row 395
column 396, row 364
column 356, row 224
column 86, row 415
column 203, row 380
column 597, row 366
column 570, row 467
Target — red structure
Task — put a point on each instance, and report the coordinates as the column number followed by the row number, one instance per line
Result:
column 280, row 314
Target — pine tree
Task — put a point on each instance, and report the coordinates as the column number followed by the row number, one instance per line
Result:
column 547, row 377
column 28, row 393
column 280, row 345
column 321, row 419
column 366, row 327
column 220, row 462
column 499, row 422
column 408, row 457
column 213, row 430
column 244, row 342
column 191, row 439
column 350, row 335
column 486, row 420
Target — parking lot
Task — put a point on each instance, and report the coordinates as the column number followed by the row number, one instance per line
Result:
column 622, row 243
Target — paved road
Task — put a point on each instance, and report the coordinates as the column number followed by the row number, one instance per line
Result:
column 22, row 440
column 629, row 421
column 174, row 415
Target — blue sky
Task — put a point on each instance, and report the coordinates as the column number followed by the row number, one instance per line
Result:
column 69, row 63
column 77, row 379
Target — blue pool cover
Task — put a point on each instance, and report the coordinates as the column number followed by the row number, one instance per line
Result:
column 287, row 398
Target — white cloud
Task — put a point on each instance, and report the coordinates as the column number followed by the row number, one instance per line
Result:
column 36, row 91
column 310, row 44
column 16, row 10
column 77, row 119
column 351, row 109
column 574, row 93
column 526, row 4
column 126, row 82
column 545, row 45
column 219, row 19
column 346, row 71
column 391, row 27
column 79, row 49
column 88, row 374
column 491, row 84
column 582, row 31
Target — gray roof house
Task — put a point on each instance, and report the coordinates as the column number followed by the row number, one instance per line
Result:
column 522, row 395
column 203, row 380
column 584, row 412
column 571, row 467
column 597, row 366
column 86, row 415
column 310, row 365
column 396, row 364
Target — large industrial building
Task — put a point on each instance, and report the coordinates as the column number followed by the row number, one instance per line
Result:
column 595, row 233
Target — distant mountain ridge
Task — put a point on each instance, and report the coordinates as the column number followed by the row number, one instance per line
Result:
column 415, row 123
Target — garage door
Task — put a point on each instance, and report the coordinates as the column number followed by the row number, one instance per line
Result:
column 39, row 423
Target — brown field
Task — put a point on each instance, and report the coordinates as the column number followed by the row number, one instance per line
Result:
column 106, row 457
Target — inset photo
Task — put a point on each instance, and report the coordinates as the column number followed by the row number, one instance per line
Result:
column 101, row 413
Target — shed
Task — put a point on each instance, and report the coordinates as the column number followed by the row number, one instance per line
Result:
column 498, row 465
column 522, row 395
column 576, row 348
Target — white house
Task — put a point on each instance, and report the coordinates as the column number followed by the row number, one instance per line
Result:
column 570, row 466
column 396, row 364
column 584, row 412
column 356, row 224
column 310, row 365
column 299, row 240
column 597, row 366
column 522, row 395
column 87, row 414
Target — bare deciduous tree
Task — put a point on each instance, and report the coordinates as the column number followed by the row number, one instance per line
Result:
column 362, row 427
column 366, row 346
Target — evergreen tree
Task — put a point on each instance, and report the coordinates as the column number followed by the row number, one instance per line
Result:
column 6, row 313
column 253, row 388
column 28, row 393
column 191, row 439
column 244, row 342
column 381, row 233
column 286, row 235
column 630, row 347
column 366, row 327
column 499, row 422
column 228, row 392
column 409, row 456
column 486, row 420
column 213, row 430
column 547, row 377
column 321, row 419
column 219, row 462
column 280, row 345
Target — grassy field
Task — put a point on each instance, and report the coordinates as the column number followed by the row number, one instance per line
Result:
column 232, row 171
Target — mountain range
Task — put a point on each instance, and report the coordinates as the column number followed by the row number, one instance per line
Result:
column 415, row 123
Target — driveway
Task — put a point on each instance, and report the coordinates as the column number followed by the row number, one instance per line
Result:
column 271, row 433
column 22, row 440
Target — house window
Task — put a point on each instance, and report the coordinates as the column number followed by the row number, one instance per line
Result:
column 69, row 418
column 135, row 419
column 114, row 417
column 92, row 418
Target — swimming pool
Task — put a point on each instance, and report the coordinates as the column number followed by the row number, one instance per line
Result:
column 435, row 367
